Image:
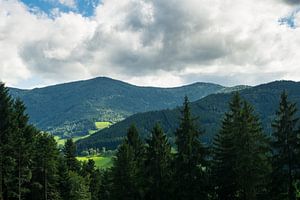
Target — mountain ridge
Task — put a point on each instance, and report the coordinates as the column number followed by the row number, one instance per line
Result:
column 72, row 108
column 210, row 109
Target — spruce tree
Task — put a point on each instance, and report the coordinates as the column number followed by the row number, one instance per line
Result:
column 124, row 174
column 44, row 181
column 190, row 175
column 7, row 126
column 127, row 169
column 158, row 165
column 79, row 189
column 285, row 142
column 70, row 156
column 224, row 153
column 23, row 146
column 252, row 160
column 241, row 155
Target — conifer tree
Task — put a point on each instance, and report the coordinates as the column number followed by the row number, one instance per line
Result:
column 124, row 174
column 224, row 153
column 241, row 150
column 127, row 171
column 190, row 164
column 285, row 161
column 7, row 162
column 23, row 145
column 63, row 177
column 95, row 184
column 158, row 165
column 252, row 164
column 70, row 156
column 79, row 189
column 44, row 181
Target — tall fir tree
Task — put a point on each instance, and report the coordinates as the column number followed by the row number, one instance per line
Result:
column 190, row 174
column 285, row 161
column 23, row 148
column 7, row 162
column 224, row 153
column 241, row 155
column 44, row 181
column 252, row 165
column 158, row 170
column 79, row 189
column 127, row 169
column 70, row 156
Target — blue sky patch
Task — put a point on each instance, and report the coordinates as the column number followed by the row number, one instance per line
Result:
column 289, row 20
column 83, row 7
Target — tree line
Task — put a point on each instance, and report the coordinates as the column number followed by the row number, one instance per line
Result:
column 243, row 163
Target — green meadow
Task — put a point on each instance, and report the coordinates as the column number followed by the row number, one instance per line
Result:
column 100, row 161
column 98, row 125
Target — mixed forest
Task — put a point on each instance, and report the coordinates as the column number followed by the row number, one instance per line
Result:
column 242, row 163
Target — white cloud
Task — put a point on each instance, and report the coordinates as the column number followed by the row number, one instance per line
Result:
column 151, row 42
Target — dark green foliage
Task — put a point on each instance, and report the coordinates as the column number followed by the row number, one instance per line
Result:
column 95, row 184
column 71, row 108
column 63, row 177
column 241, row 155
column 7, row 162
column 79, row 189
column 285, row 145
column 70, row 156
column 23, row 148
column 44, row 180
column 158, row 170
column 32, row 168
column 190, row 162
column 127, row 169
column 224, row 153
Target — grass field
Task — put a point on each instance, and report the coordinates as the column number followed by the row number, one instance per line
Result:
column 102, row 125
column 98, row 125
column 100, row 162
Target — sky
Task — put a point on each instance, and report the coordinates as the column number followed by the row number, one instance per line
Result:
column 162, row 43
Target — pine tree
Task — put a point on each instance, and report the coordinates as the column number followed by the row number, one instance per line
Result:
column 79, row 189
column 7, row 162
column 252, row 160
column 285, row 147
column 106, row 186
column 63, row 177
column 190, row 161
column 224, row 153
column 158, row 165
column 44, row 181
column 127, row 169
column 70, row 156
column 23, row 138
column 241, row 150
column 95, row 184
column 124, row 174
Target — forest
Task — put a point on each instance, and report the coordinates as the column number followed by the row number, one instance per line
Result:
column 243, row 163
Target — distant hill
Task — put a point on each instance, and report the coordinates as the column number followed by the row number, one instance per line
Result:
column 72, row 108
column 211, row 109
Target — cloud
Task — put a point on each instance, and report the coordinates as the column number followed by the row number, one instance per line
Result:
column 151, row 42
column 292, row 2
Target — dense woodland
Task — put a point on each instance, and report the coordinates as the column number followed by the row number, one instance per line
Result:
column 210, row 109
column 242, row 164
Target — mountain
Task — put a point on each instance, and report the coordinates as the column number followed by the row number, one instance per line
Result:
column 72, row 109
column 210, row 110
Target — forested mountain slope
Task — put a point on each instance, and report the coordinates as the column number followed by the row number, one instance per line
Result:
column 210, row 110
column 72, row 108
